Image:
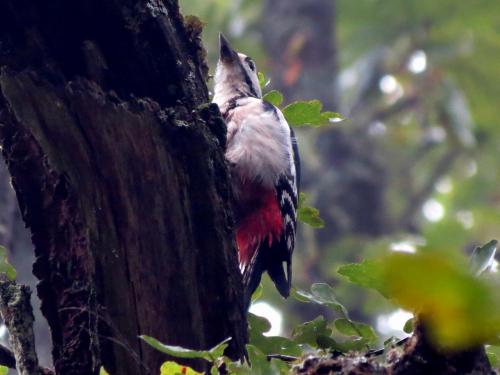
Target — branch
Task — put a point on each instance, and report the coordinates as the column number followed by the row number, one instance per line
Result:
column 17, row 313
column 397, row 108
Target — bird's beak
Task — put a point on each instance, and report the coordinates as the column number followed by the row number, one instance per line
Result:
column 226, row 53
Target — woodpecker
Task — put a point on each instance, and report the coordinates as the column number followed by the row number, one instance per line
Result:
column 265, row 171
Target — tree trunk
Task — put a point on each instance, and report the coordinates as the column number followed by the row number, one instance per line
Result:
column 119, row 173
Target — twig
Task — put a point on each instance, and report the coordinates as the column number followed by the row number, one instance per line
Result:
column 373, row 353
column 397, row 108
column 283, row 357
column 17, row 313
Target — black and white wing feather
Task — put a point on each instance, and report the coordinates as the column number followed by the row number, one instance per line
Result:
column 287, row 193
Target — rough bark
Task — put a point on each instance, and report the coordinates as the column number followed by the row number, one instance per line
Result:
column 120, row 176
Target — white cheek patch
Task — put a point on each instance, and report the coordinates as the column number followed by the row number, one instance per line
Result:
column 230, row 81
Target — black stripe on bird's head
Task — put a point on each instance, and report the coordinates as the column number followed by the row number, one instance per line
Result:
column 236, row 71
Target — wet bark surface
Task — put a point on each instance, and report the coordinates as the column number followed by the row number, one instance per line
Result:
column 120, row 176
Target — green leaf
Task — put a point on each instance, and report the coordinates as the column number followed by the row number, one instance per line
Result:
column 263, row 82
column 258, row 325
column 258, row 293
column 309, row 215
column 349, row 328
column 303, row 113
column 345, row 327
column 322, row 294
column 350, row 345
column 5, row 266
column 367, row 274
column 327, row 342
column 172, row 368
column 4, row 370
column 493, row 358
column 308, row 333
column 180, row 352
column 269, row 344
column 261, row 365
column 408, row 327
column 218, row 350
column 238, row 368
column 298, row 295
column 176, row 351
column 274, row 97
column 482, row 257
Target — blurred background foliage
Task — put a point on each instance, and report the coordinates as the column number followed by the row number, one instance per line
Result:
column 414, row 165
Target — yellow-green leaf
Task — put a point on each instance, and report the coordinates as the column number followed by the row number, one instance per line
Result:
column 303, row 113
column 180, row 352
column 408, row 327
column 493, row 358
column 322, row 294
column 258, row 293
column 349, row 328
column 308, row 332
column 460, row 309
column 5, row 266
column 309, row 215
column 367, row 274
column 173, row 368
column 274, row 97
column 263, row 81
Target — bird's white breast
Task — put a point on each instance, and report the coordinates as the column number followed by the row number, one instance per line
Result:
column 259, row 146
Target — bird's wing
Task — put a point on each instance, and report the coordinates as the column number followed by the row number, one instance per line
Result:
column 281, row 251
column 283, row 172
column 272, row 256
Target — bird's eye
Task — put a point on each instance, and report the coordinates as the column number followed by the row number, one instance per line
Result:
column 251, row 65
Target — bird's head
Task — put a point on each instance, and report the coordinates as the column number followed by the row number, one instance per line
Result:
column 236, row 74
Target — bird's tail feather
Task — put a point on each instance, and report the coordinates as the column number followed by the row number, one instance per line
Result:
column 252, row 275
column 259, row 263
column 276, row 272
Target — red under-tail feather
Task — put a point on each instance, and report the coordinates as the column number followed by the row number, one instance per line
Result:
column 264, row 223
